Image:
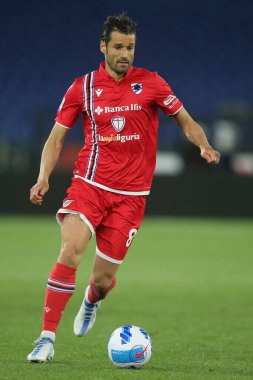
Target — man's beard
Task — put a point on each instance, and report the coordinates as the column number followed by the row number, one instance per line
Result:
column 119, row 70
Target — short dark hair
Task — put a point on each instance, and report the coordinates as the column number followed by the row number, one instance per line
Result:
column 119, row 23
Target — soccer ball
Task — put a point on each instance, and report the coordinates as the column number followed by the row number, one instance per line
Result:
column 129, row 347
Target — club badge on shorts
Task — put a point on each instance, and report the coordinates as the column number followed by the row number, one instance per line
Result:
column 136, row 87
column 118, row 122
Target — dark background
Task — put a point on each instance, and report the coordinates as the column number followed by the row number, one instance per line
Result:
column 203, row 49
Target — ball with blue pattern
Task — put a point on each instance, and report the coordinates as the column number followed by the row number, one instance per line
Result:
column 129, row 347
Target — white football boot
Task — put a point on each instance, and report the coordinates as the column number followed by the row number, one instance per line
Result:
column 44, row 348
column 86, row 316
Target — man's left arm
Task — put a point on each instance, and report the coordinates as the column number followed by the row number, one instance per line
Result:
column 197, row 136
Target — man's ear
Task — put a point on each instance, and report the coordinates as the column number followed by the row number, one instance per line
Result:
column 103, row 47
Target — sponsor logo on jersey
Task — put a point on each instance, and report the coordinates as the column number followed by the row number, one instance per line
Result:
column 130, row 107
column 118, row 123
column 99, row 110
column 169, row 99
column 119, row 137
column 99, row 92
column 136, row 87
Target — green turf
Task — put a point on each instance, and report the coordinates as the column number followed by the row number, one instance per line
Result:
column 188, row 282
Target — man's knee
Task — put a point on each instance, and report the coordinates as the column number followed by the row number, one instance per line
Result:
column 70, row 254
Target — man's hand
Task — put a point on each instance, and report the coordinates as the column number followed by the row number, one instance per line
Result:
column 210, row 155
column 38, row 191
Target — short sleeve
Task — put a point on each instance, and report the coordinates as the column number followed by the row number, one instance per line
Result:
column 70, row 107
column 165, row 98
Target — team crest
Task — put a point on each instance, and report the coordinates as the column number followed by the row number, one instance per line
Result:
column 118, row 122
column 136, row 87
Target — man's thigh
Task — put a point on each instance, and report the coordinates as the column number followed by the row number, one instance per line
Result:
column 117, row 230
column 75, row 232
column 83, row 200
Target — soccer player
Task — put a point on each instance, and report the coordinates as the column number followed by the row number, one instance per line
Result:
column 119, row 105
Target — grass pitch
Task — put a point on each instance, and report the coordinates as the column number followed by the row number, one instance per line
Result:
column 188, row 282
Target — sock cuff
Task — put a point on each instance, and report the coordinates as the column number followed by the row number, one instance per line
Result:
column 62, row 278
column 93, row 288
column 98, row 294
column 65, row 268
column 63, row 272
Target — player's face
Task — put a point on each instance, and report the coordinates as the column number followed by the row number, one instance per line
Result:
column 119, row 53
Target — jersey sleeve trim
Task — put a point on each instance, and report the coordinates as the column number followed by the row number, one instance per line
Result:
column 165, row 98
column 173, row 114
column 63, row 126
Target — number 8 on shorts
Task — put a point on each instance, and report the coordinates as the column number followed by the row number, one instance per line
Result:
column 131, row 235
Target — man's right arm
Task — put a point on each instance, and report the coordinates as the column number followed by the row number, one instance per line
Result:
column 49, row 158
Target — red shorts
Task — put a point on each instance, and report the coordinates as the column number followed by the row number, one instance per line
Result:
column 115, row 218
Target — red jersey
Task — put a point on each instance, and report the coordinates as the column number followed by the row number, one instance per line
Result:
column 120, row 127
